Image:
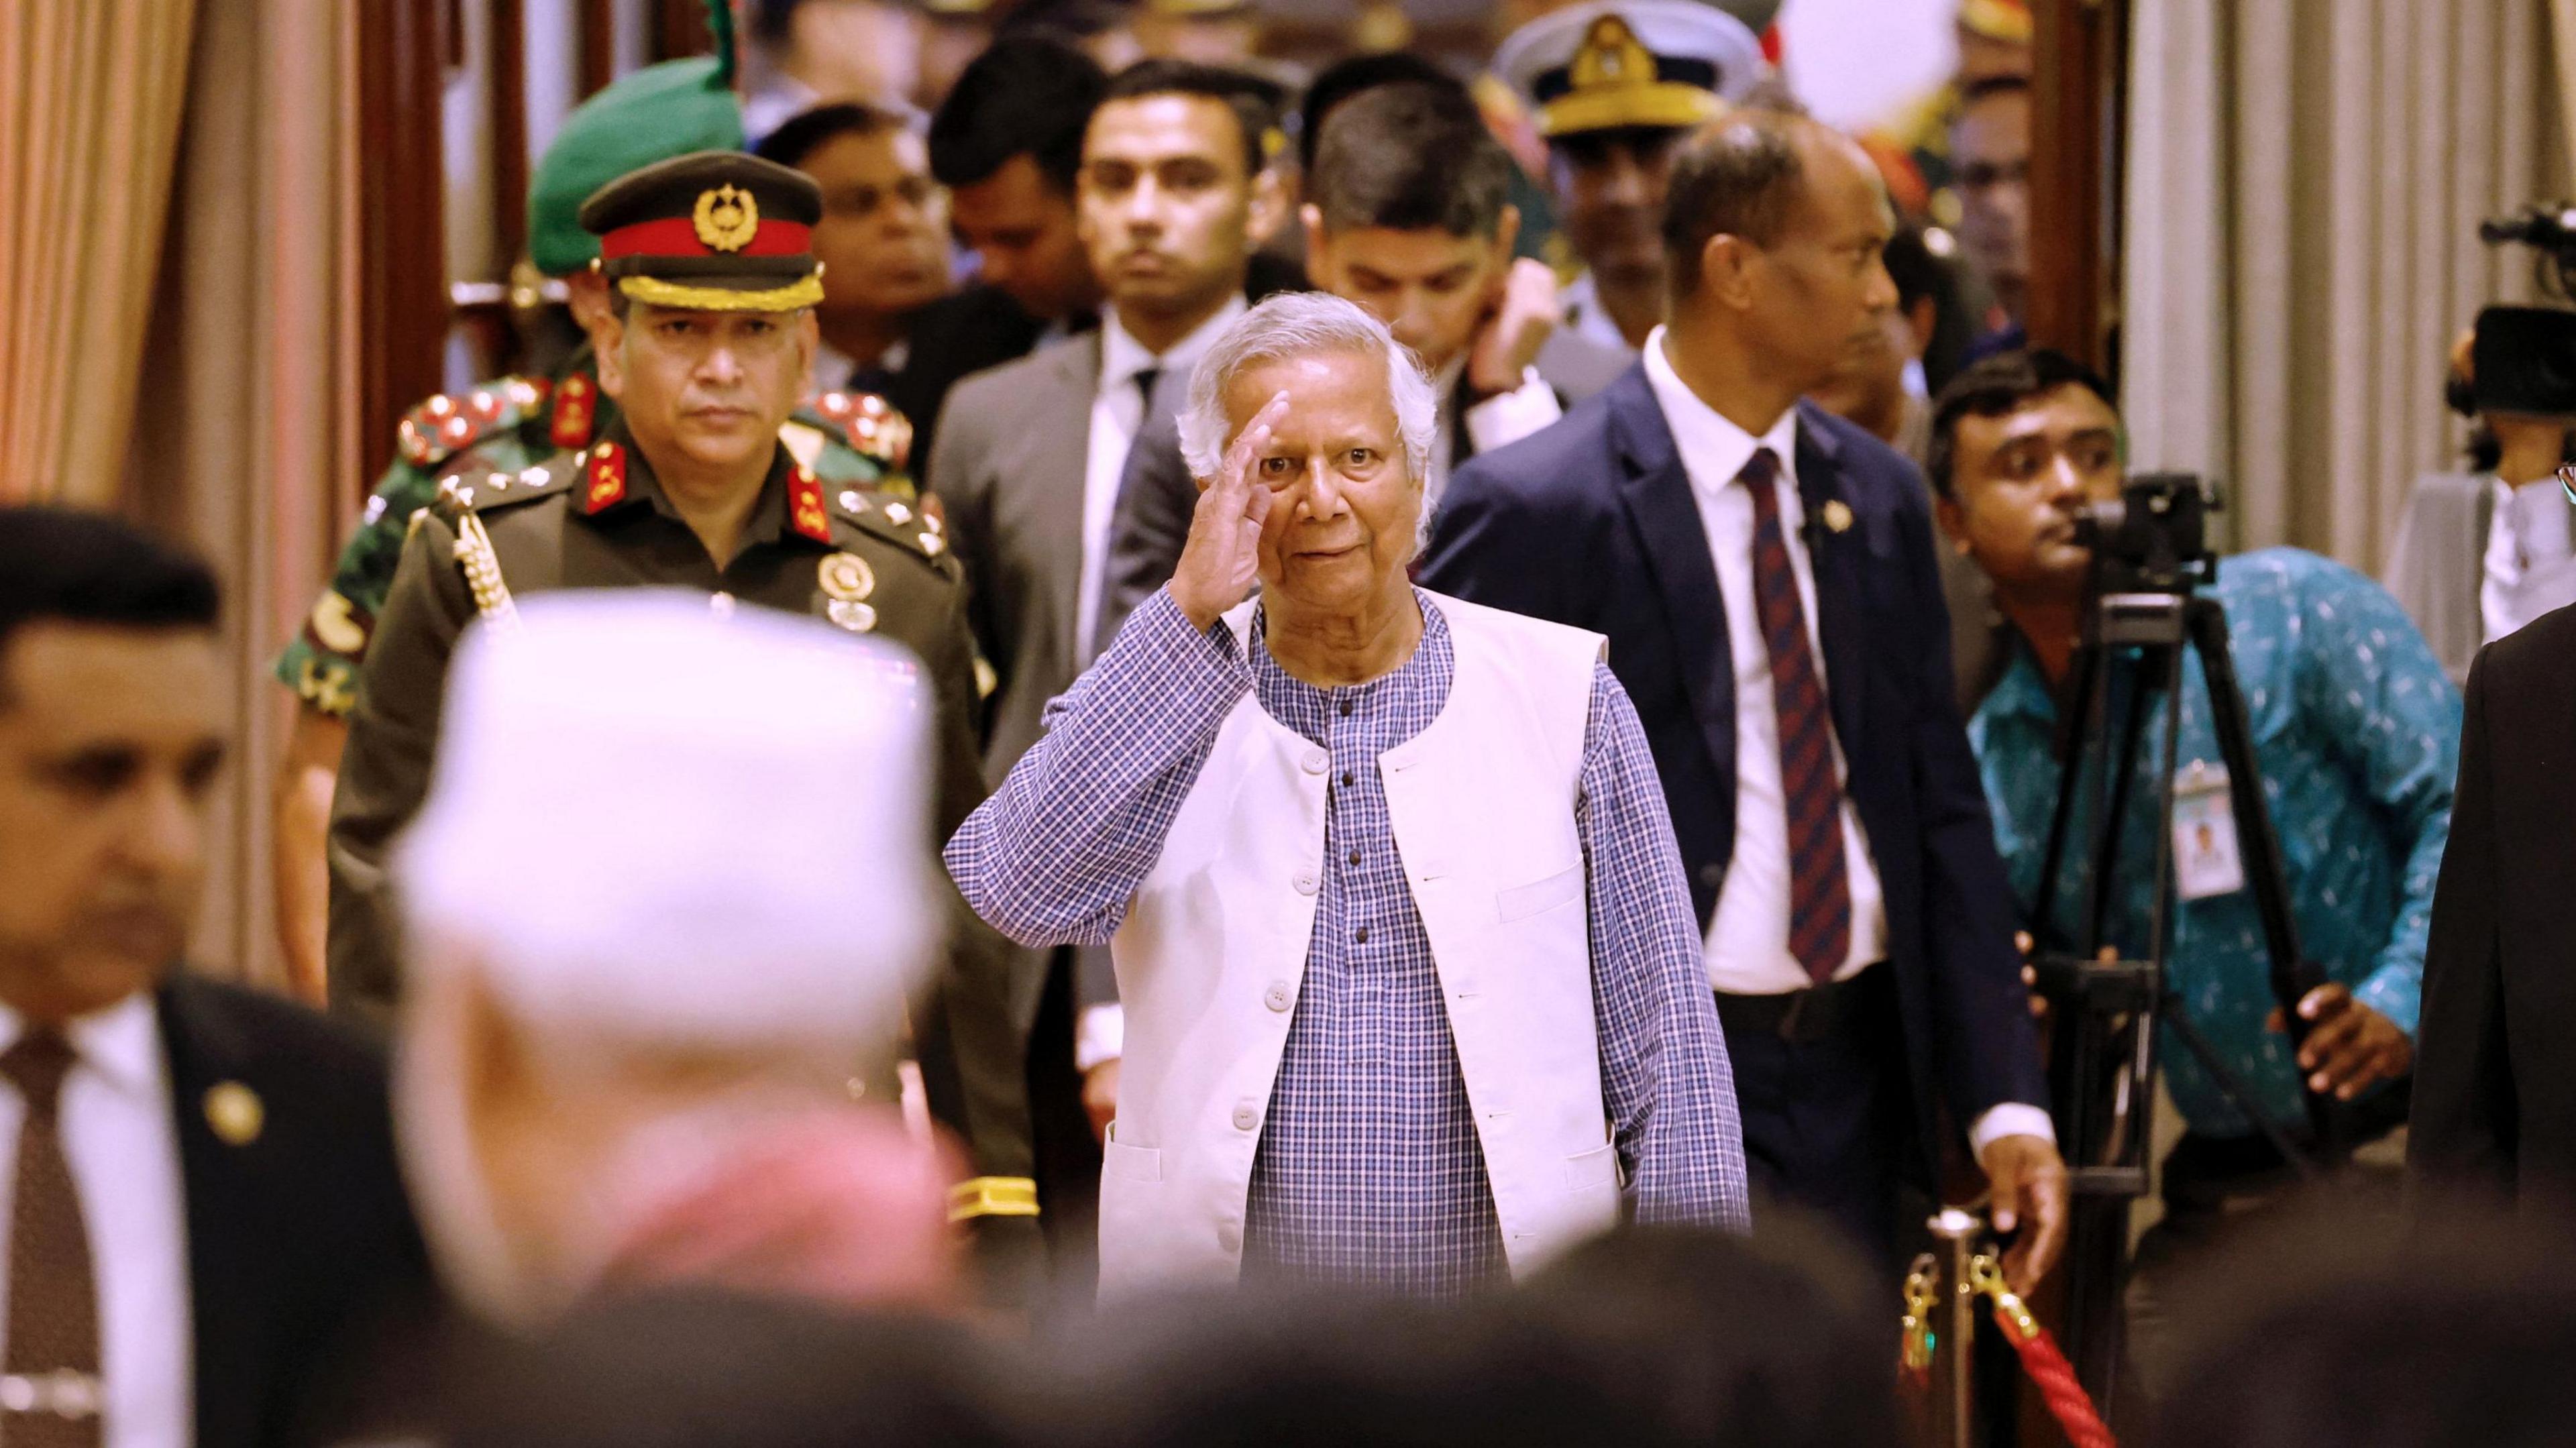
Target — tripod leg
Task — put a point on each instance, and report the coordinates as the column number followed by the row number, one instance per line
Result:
column 2293, row 976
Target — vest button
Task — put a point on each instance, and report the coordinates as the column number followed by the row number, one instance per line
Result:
column 1278, row 997
column 1229, row 1236
column 1305, row 883
column 1246, row 1116
column 1315, row 761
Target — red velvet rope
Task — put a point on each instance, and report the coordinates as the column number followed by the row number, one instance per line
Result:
column 2047, row 1366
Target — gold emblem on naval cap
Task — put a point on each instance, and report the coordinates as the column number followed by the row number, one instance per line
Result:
column 726, row 218
column 1612, row 54
column 1837, row 515
column 235, row 1113
column 846, row 578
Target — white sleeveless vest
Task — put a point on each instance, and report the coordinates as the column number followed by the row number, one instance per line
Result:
column 1213, row 951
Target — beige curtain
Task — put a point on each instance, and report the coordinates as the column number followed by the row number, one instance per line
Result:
column 247, row 444
column 2304, row 187
column 90, row 98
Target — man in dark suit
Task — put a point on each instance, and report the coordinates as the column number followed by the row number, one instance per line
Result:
column 1764, row 573
column 205, row 1215
column 2495, row 1055
column 1006, row 143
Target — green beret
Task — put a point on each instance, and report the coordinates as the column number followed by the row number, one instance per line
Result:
column 653, row 114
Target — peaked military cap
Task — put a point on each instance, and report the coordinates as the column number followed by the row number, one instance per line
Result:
column 717, row 230
column 1620, row 63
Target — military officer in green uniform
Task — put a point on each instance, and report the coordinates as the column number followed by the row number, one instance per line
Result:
column 511, row 423
column 709, row 335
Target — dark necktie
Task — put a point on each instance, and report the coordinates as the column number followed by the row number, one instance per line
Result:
column 1113, row 607
column 49, row 1392
column 1819, row 893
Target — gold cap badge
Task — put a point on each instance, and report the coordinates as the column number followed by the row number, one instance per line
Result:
column 726, row 218
column 235, row 1113
column 1612, row 55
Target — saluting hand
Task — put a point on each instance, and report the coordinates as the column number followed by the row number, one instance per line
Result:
column 1223, row 554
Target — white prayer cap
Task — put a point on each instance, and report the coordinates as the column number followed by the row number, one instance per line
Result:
column 651, row 824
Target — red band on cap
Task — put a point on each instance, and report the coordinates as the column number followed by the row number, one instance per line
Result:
column 678, row 236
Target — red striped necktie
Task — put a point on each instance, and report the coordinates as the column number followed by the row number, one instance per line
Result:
column 1819, row 892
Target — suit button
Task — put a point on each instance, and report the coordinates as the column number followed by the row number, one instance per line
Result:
column 1305, row 883
column 1278, row 997
column 1229, row 1236
column 1246, row 1116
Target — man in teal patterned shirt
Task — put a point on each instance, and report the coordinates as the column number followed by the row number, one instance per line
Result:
column 2356, row 730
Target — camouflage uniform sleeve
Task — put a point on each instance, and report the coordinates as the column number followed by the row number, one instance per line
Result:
column 393, row 730
column 858, row 440
column 321, row 663
column 476, row 430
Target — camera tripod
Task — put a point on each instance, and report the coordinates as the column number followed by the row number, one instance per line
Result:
column 2107, row 1009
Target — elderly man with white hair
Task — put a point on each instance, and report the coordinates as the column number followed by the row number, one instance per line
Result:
column 639, row 1004
column 1414, row 997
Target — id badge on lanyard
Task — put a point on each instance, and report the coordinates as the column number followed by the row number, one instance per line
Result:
column 2206, row 861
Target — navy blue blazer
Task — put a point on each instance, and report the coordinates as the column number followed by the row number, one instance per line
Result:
column 1592, row 523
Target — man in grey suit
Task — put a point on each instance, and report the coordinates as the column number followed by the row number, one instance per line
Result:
column 1173, row 196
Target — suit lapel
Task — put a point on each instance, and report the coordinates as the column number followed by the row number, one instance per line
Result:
column 1835, row 555
column 1657, row 491
column 232, row 1293
column 1078, row 375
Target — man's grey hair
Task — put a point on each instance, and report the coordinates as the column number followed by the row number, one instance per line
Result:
column 1298, row 324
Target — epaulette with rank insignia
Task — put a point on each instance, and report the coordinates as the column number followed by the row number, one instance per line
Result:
column 869, row 424
column 911, row 527
column 446, row 425
column 481, row 492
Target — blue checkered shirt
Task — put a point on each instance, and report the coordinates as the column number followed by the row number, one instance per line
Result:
column 1369, row 1171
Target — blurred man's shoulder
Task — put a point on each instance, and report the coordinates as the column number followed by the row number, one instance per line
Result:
column 249, row 1015
column 1570, row 457
column 2542, row 648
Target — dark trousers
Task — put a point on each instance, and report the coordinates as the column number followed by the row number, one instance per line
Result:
column 1825, row 1111
column 1067, row 1154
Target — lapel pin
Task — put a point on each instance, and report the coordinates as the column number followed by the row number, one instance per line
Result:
column 1838, row 515
column 235, row 1113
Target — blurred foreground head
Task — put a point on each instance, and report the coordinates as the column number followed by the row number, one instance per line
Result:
column 1644, row 1338
column 2320, row 1332
column 666, row 900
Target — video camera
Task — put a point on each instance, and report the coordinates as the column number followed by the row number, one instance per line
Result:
column 2154, row 538
column 2549, row 230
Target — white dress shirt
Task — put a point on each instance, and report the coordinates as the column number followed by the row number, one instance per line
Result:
column 1117, row 416
column 2531, row 561
column 1587, row 317
column 122, row 1144
column 1505, row 417
column 1748, row 936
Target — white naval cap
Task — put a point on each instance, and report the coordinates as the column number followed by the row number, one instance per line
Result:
column 650, row 824
column 1617, row 63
